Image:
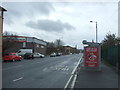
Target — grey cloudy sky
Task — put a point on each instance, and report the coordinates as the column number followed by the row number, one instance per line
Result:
column 68, row 21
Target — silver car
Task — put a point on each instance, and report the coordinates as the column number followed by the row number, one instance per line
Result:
column 39, row 55
column 52, row 54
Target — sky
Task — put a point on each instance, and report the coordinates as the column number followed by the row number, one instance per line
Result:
column 68, row 21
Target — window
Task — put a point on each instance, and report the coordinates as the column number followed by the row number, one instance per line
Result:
column 42, row 46
column 37, row 45
column 19, row 51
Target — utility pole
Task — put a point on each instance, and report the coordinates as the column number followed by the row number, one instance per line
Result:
column 96, row 31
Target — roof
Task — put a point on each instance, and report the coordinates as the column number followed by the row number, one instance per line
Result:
column 16, row 36
column 26, row 37
column 3, row 9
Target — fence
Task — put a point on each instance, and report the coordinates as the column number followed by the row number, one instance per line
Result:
column 112, row 55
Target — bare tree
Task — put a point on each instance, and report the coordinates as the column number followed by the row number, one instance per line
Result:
column 58, row 43
column 50, row 47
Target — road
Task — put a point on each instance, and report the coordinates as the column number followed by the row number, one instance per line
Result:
column 48, row 72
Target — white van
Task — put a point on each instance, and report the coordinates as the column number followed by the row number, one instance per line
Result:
column 22, row 52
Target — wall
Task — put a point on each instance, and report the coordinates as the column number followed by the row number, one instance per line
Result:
column 29, row 45
column 1, row 26
column 16, row 46
column 37, row 47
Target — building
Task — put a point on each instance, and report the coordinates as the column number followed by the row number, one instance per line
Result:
column 36, row 44
column 69, row 49
column 22, row 42
column 1, row 29
column 1, row 32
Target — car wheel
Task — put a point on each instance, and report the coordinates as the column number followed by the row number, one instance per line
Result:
column 13, row 60
column 4, row 60
column 19, row 59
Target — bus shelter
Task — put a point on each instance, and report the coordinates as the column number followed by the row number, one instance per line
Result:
column 92, row 55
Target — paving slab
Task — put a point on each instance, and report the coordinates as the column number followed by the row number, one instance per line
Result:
column 106, row 78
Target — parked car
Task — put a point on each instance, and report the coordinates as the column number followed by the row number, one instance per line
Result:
column 28, row 56
column 58, row 54
column 39, row 55
column 52, row 54
column 12, row 57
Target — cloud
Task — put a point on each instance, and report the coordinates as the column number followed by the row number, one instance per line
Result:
column 28, row 9
column 49, row 25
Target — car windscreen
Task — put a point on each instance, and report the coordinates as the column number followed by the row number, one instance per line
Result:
column 15, row 54
column 28, row 54
column 8, row 54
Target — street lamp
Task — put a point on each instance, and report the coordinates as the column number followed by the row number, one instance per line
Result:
column 96, row 30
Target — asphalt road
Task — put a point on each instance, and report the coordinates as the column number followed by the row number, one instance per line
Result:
column 48, row 72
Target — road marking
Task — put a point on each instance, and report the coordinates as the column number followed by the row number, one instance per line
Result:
column 45, row 69
column 37, row 62
column 72, row 73
column 63, row 69
column 67, row 69
column 17, row 79
column 73, row 82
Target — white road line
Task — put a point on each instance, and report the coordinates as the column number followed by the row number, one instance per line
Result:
column 72, row 73
column 68, row 82
column 17, row 79
column 73, row 82
column 63, row 69
column 67, row 69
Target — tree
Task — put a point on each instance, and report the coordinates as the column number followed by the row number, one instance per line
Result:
column 56, row 46
column 109, row 40
column 8, row 40
column 50, row 48
column 58, row 43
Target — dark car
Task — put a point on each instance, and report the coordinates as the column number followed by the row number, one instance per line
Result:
column 29, row 56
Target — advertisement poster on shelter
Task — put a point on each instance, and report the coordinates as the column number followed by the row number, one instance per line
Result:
column 91, row 57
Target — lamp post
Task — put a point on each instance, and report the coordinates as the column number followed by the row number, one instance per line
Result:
column 96, row 30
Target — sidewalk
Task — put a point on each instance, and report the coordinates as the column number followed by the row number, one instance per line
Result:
column 107, row 78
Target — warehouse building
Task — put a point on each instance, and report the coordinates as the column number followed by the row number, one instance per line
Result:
column 22, row 42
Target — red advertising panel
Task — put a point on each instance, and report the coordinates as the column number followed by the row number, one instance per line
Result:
column 91, row 57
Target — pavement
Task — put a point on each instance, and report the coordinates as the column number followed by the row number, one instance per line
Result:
column 106, row 78
column 48, row 72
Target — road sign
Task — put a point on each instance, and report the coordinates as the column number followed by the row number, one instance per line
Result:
column 91, row 56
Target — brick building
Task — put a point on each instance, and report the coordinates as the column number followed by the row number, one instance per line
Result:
column 22, row 42
column 69, row 49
